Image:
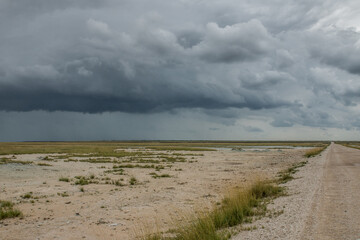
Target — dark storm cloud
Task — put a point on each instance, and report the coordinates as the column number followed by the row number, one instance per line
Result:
column 293, row 62
column 146, row 71
column 100, row 87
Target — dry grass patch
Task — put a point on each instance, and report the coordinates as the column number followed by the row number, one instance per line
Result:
column 314, row 151
column 9, row 160
column 179, row 148
column 237, row 208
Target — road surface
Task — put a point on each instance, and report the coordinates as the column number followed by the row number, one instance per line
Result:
column 335, row 212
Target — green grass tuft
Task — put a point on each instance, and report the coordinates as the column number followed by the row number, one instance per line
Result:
column 7, row 210
column 133, row 181
column 82, row 181
column 64, row 179
column 27, row 195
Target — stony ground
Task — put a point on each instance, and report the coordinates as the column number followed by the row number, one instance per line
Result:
column 112, row 206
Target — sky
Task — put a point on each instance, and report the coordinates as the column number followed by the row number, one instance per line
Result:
column 180, row 69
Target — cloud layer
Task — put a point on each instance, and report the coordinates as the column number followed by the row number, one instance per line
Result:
column 287, row 62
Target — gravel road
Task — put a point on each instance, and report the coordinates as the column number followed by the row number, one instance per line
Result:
column 323, row 201
column 335, row 212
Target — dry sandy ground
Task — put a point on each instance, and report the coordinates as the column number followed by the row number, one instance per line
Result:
column 106, row 211
column 323, row 201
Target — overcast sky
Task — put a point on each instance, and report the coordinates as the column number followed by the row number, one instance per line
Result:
column 180, row 69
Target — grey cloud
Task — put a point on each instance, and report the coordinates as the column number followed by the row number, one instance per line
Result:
column 282, row 123
column 96, row 85
column 267, row 80
column 306, row 116
column 143, row 71
column 284, row 59
column 253, row 129
column 189, row 38
column 226, row 59
column 239, row 42
column 339, row 48
column 342, row 86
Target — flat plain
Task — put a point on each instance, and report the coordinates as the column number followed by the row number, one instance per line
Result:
column 123, row 190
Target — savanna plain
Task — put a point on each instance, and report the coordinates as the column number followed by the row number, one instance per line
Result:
column 146, row 190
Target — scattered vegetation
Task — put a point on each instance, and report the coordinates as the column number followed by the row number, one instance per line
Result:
column 159, row 167
column 49, row 159
column 119, row 183
column 235, row 209
column 138, row 166
column 287, row 175
column 313, row 152
column 44, row 164
column 134, row 166
column 81, row 180
column 355, row 145
column 27, row 195
column 111, row 148
column 116, row 171
column 179, row 148
column 9, row 160
column 63, row 194
column 64, row 179
column 155, row 175
column 133, row 181
column 7, row 210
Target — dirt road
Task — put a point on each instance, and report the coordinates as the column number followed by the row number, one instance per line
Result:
column 335, row 212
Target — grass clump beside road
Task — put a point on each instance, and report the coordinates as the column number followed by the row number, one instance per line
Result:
column 7, row 210
column 314, row 151
column 235, row 209
column 286, row 175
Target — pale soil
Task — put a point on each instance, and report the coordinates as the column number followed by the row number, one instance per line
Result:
column 106, row 211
